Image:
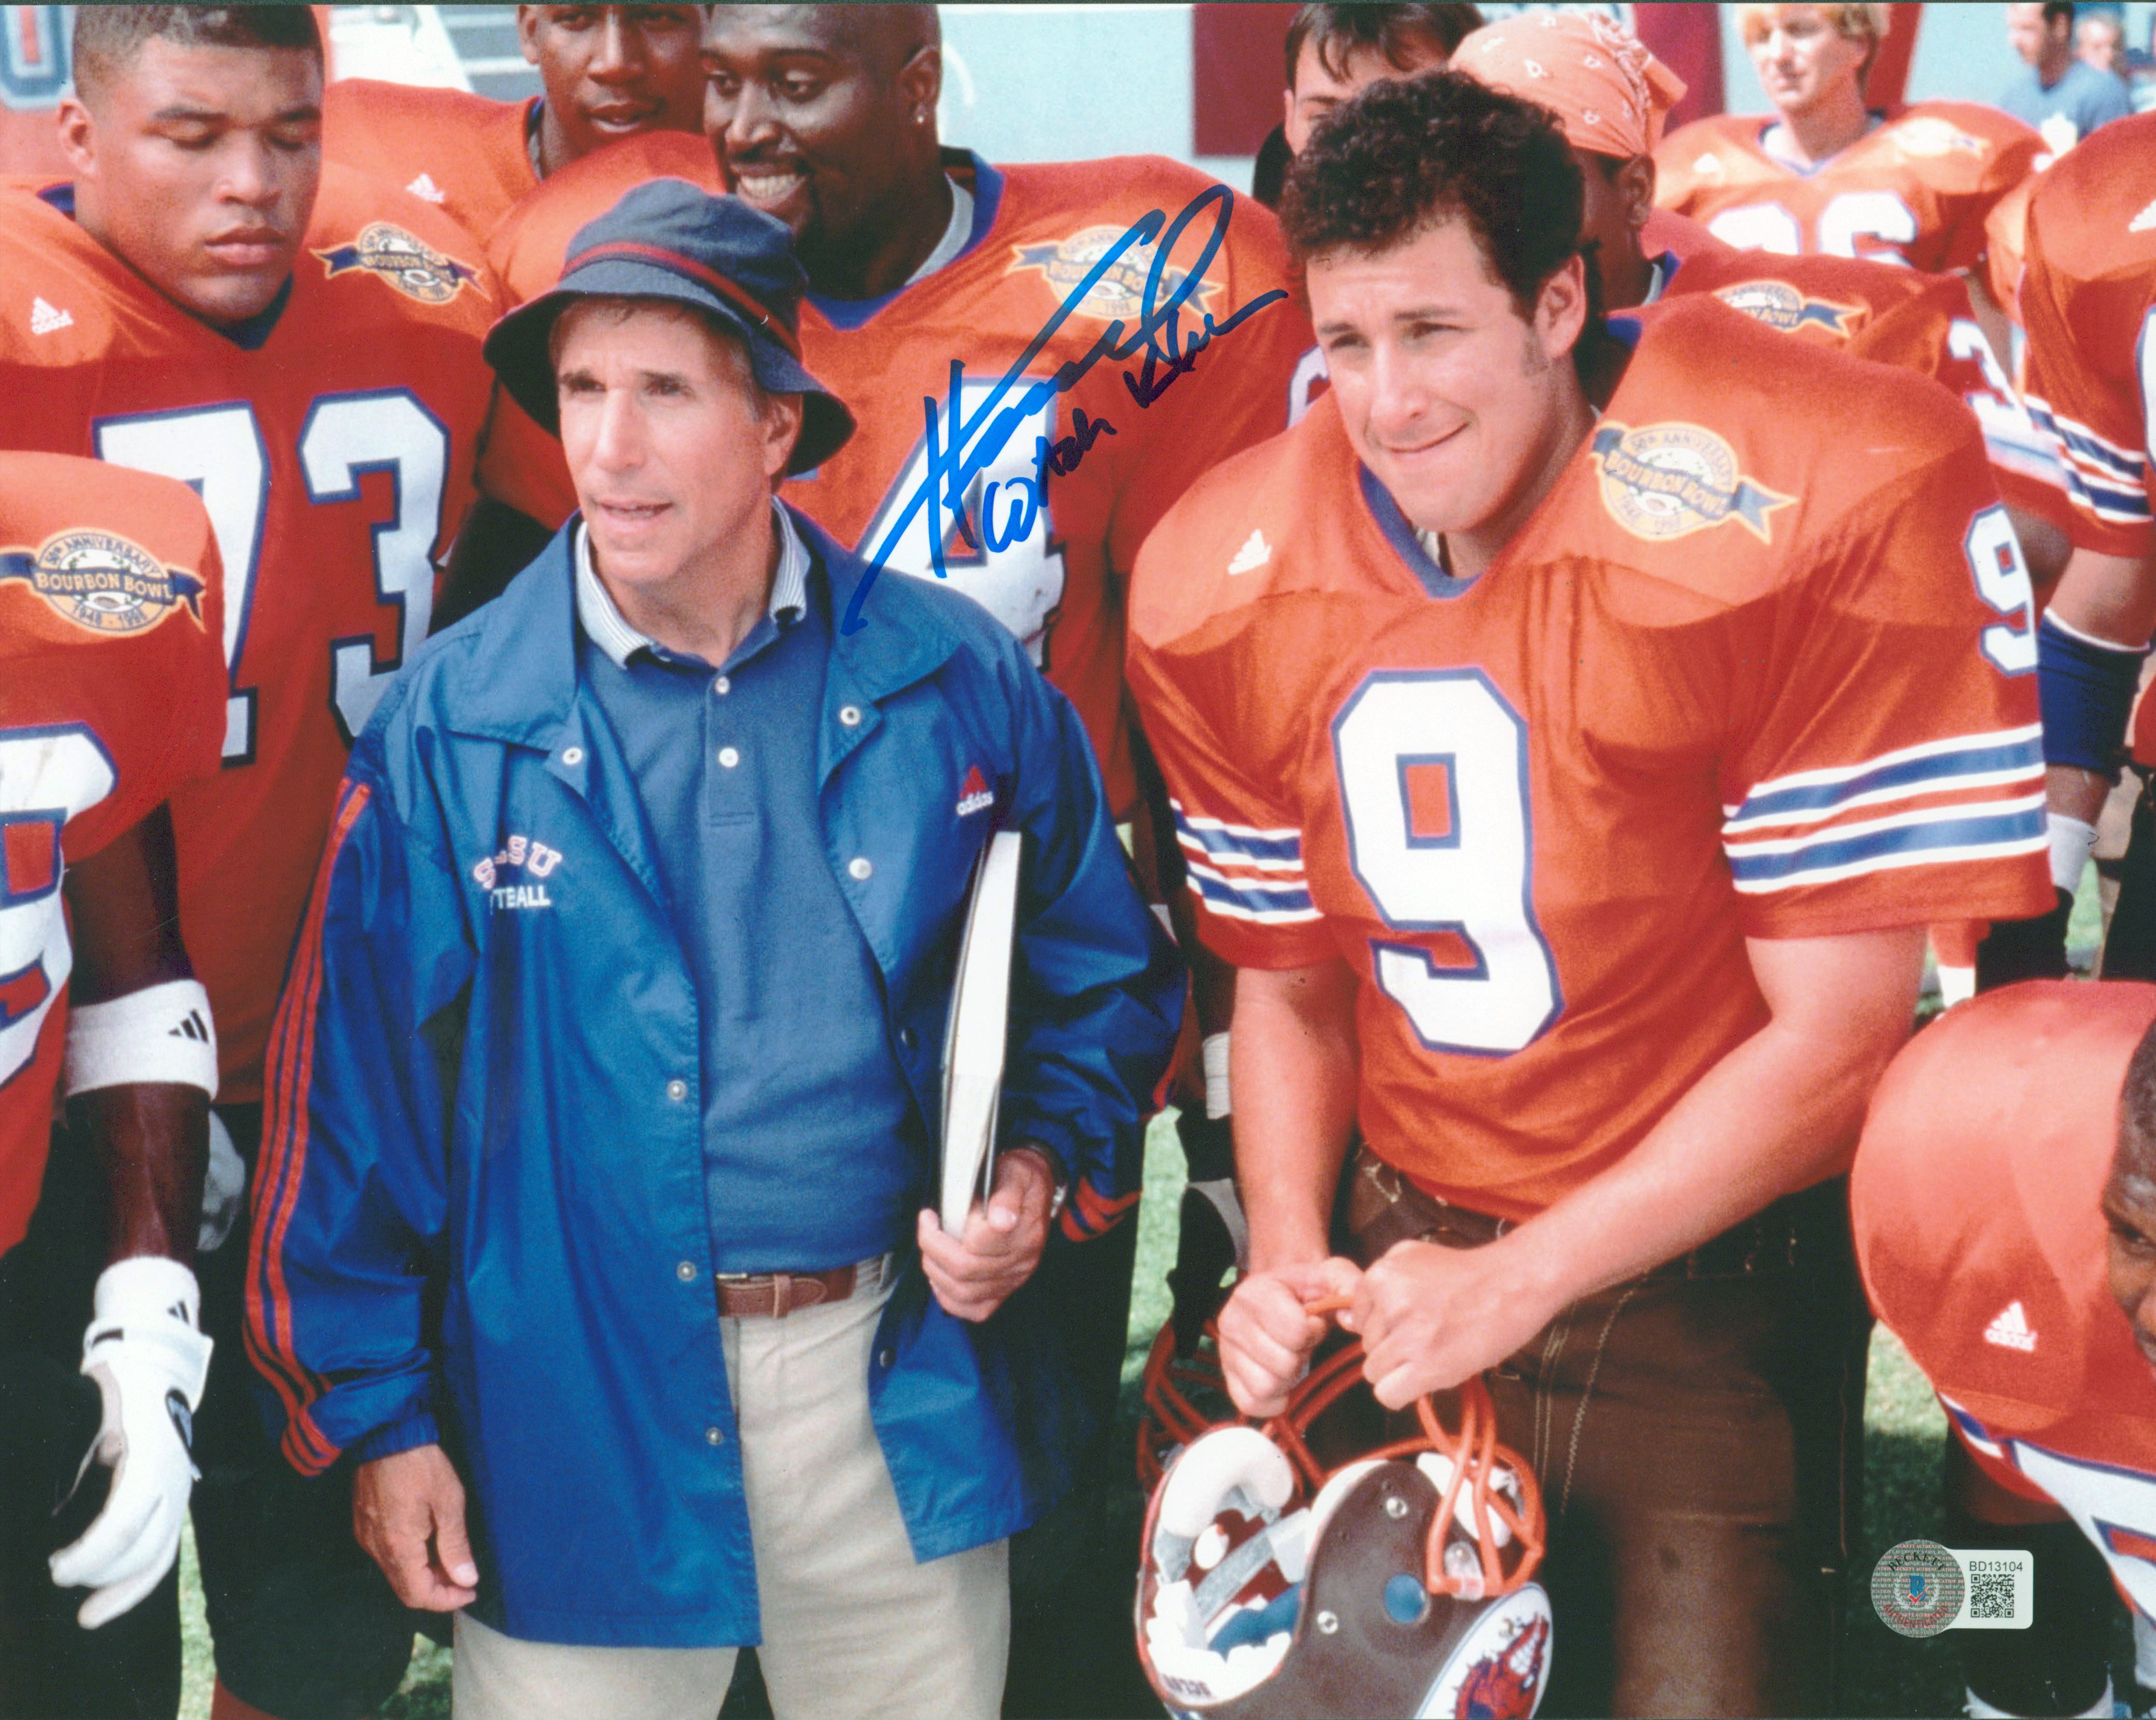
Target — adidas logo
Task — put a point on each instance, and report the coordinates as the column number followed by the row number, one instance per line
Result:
column 2010, row 1330
column 2144, row 221
column 45, row 318
column 424, row 186
column 974, row 795
column 1256, row 553
column 194, row 1028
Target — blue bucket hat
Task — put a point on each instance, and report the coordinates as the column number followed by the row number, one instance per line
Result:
column 668, row 239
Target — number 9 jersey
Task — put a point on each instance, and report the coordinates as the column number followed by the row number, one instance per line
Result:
column 111, row 698
column 1760, row 665
column 332, row 442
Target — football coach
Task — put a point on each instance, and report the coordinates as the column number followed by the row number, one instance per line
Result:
column 608, row 1070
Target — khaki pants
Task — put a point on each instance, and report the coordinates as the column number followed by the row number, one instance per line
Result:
column 852, row 1625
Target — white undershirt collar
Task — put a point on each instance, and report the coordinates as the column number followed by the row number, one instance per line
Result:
column 602, row 618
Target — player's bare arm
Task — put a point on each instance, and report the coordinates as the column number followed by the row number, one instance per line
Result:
column 1294, row 1068
column 151, row 1137
column 1776, row 1114
column 145, row 1112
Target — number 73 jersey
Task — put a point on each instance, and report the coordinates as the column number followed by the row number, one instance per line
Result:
column 333, row 443
column 1761, row 665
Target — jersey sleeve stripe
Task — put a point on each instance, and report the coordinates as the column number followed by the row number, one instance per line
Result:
column 1213, row 838
column 1268, row 904
column 1894, row 821
column 2015, row 829
column 2033, row 455
column 2118, row 507
column 2081, row 444
column 1971, row 1429
column 1960, row 761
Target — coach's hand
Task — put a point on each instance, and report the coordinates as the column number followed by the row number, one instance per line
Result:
column 1267, row 1331
column 973, row 1272
column 408, row 1513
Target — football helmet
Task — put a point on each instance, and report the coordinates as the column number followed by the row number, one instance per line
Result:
column 1182, row 1394
column 1397, row 1583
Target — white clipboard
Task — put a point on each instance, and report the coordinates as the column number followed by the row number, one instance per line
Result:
column 974, row 1039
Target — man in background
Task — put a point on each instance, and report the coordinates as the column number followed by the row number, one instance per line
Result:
column 1333, row 50
column 2099, row 41
column 1824, row 172
column 2060, row 92
column 609, row 72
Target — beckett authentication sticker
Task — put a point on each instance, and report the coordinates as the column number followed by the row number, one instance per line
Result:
column 1920, row 1589
column 1917, row 1589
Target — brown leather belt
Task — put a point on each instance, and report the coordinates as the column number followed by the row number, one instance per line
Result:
column 1799, row 1229
column 745, row 1296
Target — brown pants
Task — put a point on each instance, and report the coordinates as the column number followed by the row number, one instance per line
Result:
column 1697, row 1434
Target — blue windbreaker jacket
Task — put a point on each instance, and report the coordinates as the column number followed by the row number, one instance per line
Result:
column 479, row 1215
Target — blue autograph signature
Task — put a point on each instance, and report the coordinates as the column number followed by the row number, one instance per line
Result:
column 1159, row 336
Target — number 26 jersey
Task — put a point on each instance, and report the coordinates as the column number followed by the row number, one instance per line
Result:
column 1760, row 665
column 333, row 443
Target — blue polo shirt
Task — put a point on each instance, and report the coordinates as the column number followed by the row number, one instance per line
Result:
column 814, row 1154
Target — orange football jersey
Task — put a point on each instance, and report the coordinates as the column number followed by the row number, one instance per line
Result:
column 1915, row 189
column 1050, row 567
column 2089, row 301
column 469, row 156
column 529, row 244
column 112, row 697
column 2005, row 241
column 1902, row 317
column 1761, row 665
column 333, row 443
column 1667, row 233
column 1975, row 1202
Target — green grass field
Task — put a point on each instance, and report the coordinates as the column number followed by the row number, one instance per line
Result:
column 1888, row 1673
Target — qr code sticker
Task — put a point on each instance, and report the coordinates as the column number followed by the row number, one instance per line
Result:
column 2000, row 1590
column 1991, row 1594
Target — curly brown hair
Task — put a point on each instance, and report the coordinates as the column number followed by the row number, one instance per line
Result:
column 1408, row 153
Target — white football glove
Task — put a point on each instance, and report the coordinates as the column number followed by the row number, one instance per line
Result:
column 151, row 1364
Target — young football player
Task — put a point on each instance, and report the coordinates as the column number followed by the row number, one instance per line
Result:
column 1332, row 51
column 2004, row 1203
column 111, row 698
column 1573, row 791
column 609, row 72
column 188, row 305
column 1824, row 173
column 1608, row 93
column 2088, row 297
